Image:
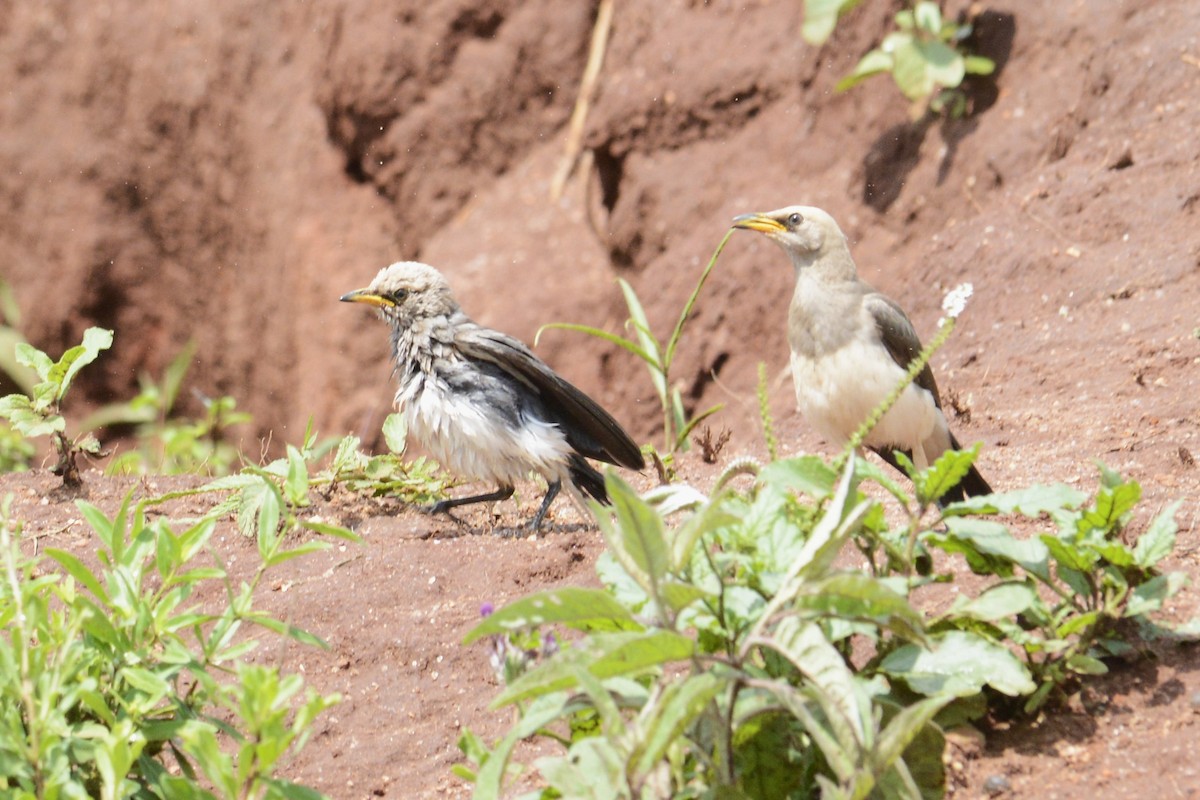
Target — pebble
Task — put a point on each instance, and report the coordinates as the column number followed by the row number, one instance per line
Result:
column 1195, row 701
column 997, row 785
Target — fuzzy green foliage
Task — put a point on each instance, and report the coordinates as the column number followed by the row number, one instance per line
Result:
column 926, row 55
column 733, row 655
column 117, row 683
column 40, row 412
column 168, row 444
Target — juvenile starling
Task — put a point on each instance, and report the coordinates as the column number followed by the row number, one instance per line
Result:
column 482, row 403
column 851, row 346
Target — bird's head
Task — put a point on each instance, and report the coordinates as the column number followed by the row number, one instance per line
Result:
column 804, row 232
column 406, row 291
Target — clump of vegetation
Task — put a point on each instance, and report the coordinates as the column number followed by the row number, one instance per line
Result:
column 730, row 652
column 120, row 685
column 926, row 55
column 40, row 412
column 168, row 444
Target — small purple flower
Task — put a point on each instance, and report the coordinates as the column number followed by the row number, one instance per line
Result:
column 486, row 610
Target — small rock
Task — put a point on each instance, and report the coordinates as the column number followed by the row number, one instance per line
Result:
column 1194, row 699
column 997, row 785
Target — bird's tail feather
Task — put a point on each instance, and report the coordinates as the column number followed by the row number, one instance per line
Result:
column 587, row 479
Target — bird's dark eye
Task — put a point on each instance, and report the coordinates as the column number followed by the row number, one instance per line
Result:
column 794, row 219
column 399, row 295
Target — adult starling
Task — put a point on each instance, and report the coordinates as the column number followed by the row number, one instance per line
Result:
column 482, row 403
column 851, row 346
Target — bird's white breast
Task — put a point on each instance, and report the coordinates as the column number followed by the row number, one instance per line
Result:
column 837, row 391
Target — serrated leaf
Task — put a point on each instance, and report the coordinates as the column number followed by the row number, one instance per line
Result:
column 960, row 663
column 945, row 473
column 1159, row 539
column 582, row 609
column 1150, row 596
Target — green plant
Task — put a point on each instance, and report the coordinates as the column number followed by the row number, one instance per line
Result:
column 419, row 481
column 658, row 357
column 172, row 445
column 116, row 682
column 282, row 488
column 925, row 56
column 731, row 654
column 39, row 413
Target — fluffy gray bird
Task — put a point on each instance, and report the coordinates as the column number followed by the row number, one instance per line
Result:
column 851, row 346
column 482, row 403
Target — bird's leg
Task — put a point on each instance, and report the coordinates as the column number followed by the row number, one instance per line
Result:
column 442, row 506
column 551, row 492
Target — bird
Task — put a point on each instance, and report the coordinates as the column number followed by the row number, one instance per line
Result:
column 483, row 405
column 851, row 346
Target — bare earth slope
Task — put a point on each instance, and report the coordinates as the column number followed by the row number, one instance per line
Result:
column 223, row 171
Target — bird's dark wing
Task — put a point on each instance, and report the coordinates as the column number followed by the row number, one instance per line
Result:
column 590, row 429
column 900, row 339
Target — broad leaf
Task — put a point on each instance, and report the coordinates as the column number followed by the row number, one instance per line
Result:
column 960, row 663
column 582, row 609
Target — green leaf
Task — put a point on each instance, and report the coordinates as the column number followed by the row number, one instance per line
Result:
column 328, row 529
column 1150, row 596
column 873, row 63
column 604, row 655
column 78, row 357
column 943, row 64
column 641, row 529
column 649, row 344
column 674, row 710
column 632, row 347
column 807, row 474
column 928, row 17
column 852, row 595
column 1032, row 501
column 909, row 70
column 913, row 723
column 29, row 356
column 960, row 663
column 581, row 609
column 1002, row 601
column 978, row 65
column 990, row 548
column 1159, row 539
column 803, row 644
column 79, row 571
column 1086, row 665
column 820, row 18
column 395, row 433
column 591, row 770
column 945, row 473
column 1112, row 507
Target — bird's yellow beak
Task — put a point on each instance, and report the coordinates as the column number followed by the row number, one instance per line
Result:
column 368, row 297
column 758, row 222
